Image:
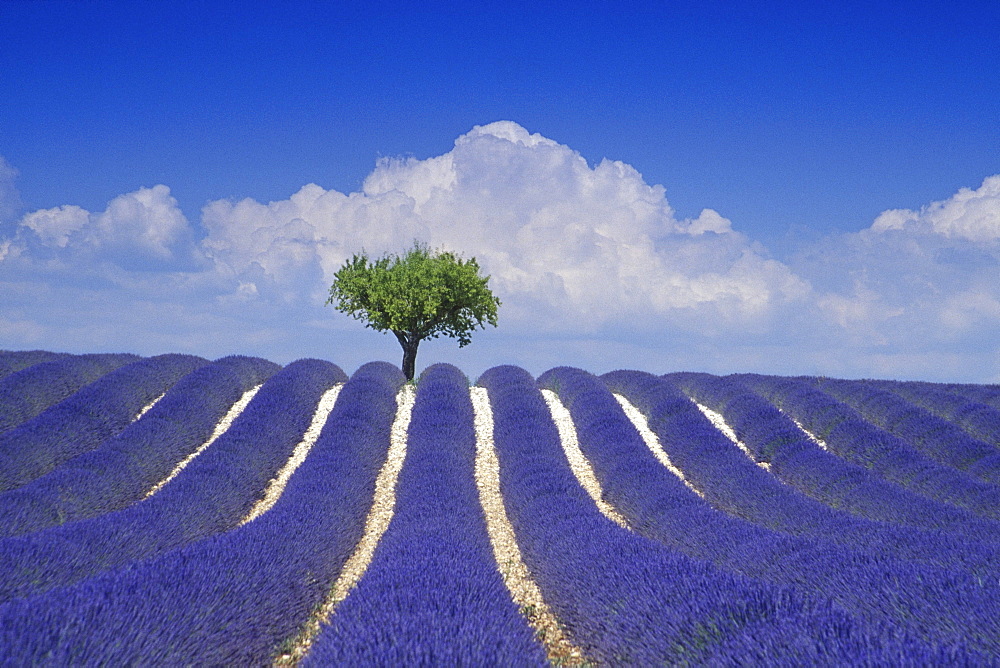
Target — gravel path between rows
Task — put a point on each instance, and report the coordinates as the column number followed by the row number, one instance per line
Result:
column 719, row 422
column 812, row 437
column 220, row 429
column 145, row 409
column 652, row 442
column 277, row 484
column 581, row 467
column 383, row 506
column 516, row 575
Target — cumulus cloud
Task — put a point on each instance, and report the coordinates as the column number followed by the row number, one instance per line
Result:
column 541, row 221
column 593, row 266
column 141, row 230
column 53, row 227
column 969, row 214
column 915, row 280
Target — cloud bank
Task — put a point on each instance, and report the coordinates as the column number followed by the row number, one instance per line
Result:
column 918, row 285
column 142, row 230
column 592, row 265
column 543, row 223
column 969, row 215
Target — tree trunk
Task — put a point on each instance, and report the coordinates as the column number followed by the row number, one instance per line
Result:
column 409, row 355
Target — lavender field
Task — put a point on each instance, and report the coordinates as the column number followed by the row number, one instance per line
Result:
column 173, row 510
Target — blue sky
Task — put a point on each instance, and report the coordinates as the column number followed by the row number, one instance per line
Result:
column 666, row 186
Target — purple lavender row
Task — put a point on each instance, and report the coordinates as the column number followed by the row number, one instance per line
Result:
column 432, row 594
column 88, row 417
column 126, row 466
column 773, row 438
column 212, row 494
column 871, row 581
column 624, row 598
column 12, row 361
column 979, row 419
column 932, row 436
column 234, row 598
column 850, row 436
column 36, row 387
column 986, row 394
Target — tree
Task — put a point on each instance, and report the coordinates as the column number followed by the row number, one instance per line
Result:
column 420, row 295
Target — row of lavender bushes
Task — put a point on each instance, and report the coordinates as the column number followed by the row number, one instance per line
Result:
column 759, row 572
column 26, row 391
column 432, row 594
column 933, row 436
column 765, row 529
column 12, row 361
column 88, row 417
column 902, row 522
column 122, row 469
column 608, row 585
column 212, row 494
column 850, row 436
column 972, row 411
column 236, row 597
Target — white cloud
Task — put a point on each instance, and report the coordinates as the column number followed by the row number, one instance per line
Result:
column 967, row 309
column 592, row 264
column 862, row 314
column 541, row 221
column 140, row 230
column 968, row 214
column 55, row 226
column 915, row 280
column 147, row 221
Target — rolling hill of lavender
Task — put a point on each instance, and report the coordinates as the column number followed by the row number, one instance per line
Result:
column 174, row 510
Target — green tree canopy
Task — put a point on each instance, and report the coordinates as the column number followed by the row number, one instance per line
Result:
column 421, row 295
